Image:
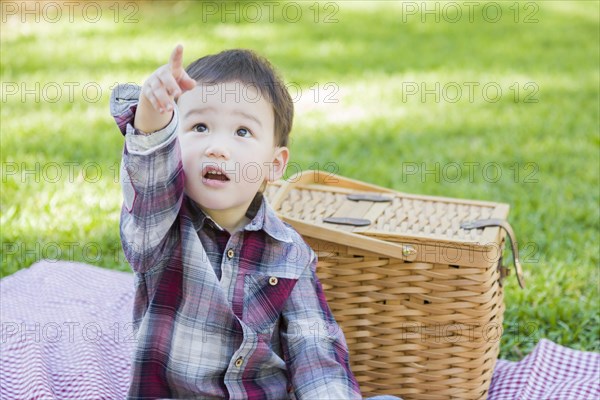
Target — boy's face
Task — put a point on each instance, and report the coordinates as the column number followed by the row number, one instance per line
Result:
column 227, row 145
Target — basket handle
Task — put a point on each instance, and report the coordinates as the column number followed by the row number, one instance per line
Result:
column 324, row 178
column 483, row 223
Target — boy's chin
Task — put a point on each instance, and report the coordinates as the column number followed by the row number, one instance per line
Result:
column 206, row 204
column 212, row 203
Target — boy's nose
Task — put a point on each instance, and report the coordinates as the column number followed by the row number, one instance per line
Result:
column 216, row 150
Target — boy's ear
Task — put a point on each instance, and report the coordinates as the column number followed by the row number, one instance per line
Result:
column 280, row 161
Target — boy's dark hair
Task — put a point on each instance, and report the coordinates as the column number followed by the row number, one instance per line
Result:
column 249, row 68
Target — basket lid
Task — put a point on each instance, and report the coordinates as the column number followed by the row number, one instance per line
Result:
column 342, row 210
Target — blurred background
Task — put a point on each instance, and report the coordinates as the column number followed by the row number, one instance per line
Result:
column 480, row 100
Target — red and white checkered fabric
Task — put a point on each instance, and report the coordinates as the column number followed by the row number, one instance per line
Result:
column 549, row 372
column 65, row 333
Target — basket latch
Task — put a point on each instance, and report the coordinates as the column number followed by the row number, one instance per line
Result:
column 503, row 270
column 483, row 223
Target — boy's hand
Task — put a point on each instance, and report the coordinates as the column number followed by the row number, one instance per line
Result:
column 159, row 92
column 168, row 83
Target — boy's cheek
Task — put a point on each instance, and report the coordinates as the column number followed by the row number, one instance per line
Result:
column 184, row 147
column 181, row 135
column 188, row 167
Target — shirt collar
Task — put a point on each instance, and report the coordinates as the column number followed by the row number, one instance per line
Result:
column 261, row 215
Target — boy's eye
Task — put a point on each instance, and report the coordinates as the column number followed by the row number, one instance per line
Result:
column 243, row 132
column 199, row 128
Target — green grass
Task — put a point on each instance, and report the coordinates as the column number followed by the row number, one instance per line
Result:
column 547, row 151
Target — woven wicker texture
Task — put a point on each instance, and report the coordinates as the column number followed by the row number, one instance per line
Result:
column 405, row 215
column 417, row 329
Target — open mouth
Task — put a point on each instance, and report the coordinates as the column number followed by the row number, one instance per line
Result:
column 214, row 174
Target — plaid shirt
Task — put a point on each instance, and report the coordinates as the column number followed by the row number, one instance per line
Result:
column 239, row 316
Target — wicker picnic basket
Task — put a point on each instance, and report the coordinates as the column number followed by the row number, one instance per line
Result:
column 415, row 282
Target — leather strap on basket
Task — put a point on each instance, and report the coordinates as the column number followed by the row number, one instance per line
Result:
column 483, row 223
column 348, row 221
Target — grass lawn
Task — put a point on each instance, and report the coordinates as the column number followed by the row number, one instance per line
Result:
column 497, row 102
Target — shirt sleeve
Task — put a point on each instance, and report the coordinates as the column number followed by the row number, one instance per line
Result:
column 313, row 343
column 152, row 182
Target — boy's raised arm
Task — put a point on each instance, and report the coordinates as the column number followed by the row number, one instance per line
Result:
column 151, row 170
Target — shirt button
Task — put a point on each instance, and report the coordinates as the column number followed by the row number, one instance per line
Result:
column 239, row 362
column 230, row 253
column 273, row 281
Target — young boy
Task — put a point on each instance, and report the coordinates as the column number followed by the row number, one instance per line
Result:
column 227, row 304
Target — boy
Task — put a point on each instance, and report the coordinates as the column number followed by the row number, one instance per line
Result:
column 227, row 304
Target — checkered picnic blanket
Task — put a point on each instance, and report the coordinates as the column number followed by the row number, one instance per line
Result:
column 65, row 333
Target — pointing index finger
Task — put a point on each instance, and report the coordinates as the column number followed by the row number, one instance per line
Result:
column 176, row 59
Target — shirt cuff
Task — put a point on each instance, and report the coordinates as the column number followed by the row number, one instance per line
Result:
column 123, row 103
column 143, row 144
